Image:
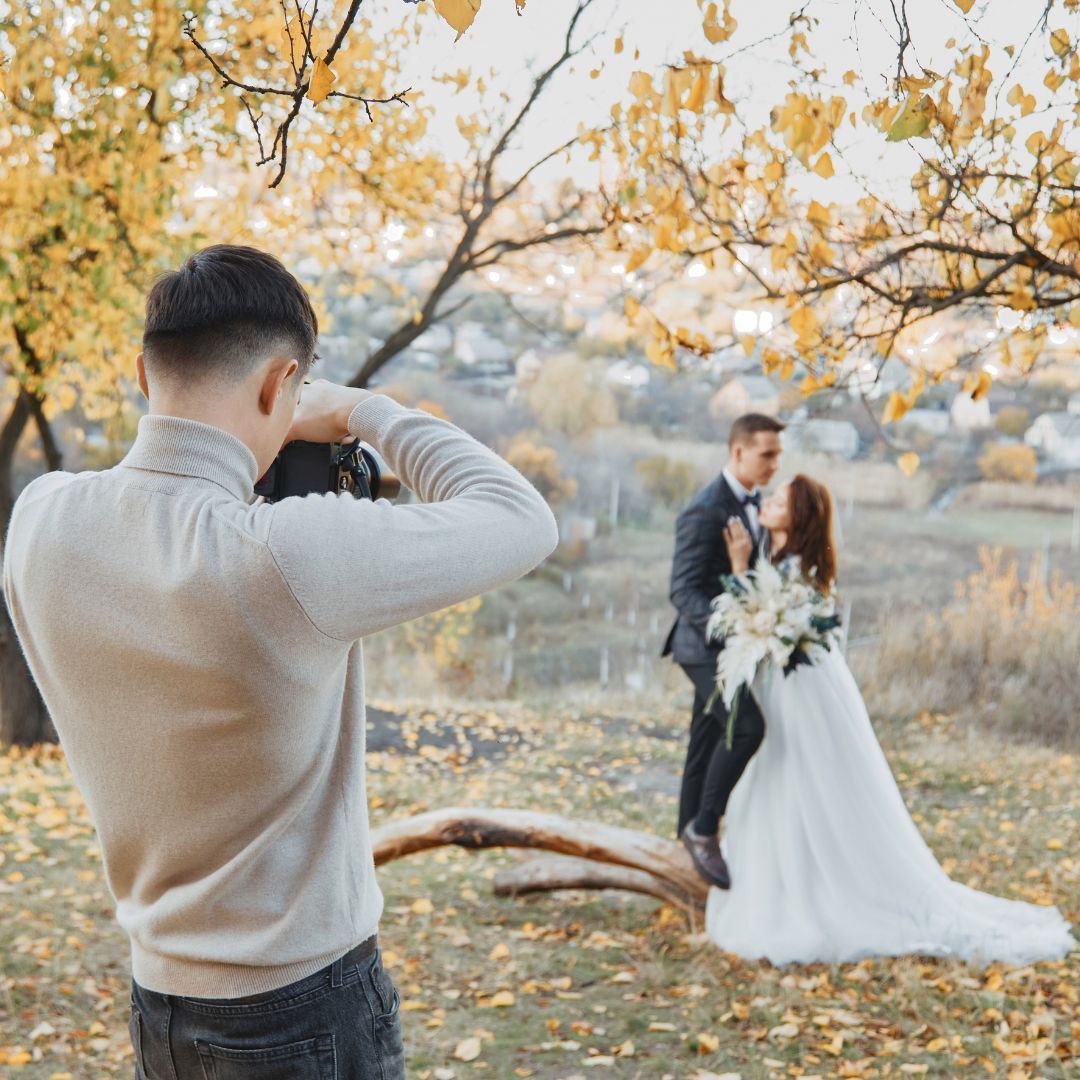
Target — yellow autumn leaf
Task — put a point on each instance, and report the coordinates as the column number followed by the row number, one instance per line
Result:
column 501, row 1000
column 467, row 1049
column 908, row 463
column 631, row 305
column 804, row 323
column 964, row 5
column 978, row 385
column 714, row 30
column 850, row 77
column 748, row 343
column 637, row 257
column 914, row 118
column 322, row 78
column 458, row 13
column 1059, row 41
column 895, row 408
column 641, row 84
column 809, row 386
column 660, row 353
column 699, row 92
column 618, row 45
column 824, row 166
column 423, row 906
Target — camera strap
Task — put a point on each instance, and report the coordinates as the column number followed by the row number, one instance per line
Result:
column 361, row 466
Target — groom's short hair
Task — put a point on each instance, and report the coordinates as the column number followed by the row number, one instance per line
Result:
column 749, row 424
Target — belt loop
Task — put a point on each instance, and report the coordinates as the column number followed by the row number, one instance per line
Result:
column 335, row 972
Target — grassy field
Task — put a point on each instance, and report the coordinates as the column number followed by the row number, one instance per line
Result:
column 577, row 985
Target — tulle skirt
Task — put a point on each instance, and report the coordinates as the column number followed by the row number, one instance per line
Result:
column 827, row 864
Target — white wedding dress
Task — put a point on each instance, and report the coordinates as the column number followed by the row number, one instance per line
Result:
column 826, row 863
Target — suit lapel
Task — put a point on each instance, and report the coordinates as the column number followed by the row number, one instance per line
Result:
column 734, row 505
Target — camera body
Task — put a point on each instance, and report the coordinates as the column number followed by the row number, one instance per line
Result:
column 303, row 467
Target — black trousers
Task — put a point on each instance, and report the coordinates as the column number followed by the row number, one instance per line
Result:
column 712, row 770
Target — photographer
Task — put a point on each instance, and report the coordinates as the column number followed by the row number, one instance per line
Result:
column 199, row 650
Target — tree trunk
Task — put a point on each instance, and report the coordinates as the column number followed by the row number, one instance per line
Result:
column 603, row 856
column 24, row 720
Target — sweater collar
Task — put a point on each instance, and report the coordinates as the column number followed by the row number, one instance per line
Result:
column 177, row 445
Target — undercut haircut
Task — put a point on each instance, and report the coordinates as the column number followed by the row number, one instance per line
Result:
column 749, row 424
column 224, row 312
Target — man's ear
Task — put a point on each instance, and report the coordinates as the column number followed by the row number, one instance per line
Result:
column 140, row 373
column 278, row 374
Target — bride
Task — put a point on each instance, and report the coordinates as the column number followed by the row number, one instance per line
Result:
column 826, row 863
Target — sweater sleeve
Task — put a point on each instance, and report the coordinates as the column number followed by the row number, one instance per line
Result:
column 356, row 566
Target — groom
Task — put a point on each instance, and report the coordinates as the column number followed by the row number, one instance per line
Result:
column 701, row 558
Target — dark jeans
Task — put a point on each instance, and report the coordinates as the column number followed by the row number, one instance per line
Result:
column 340, row 1023
column 711, row 769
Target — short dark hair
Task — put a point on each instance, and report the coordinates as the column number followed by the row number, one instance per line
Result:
column 749, row 424
column 222, row 313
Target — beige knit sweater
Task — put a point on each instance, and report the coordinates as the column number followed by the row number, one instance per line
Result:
column 199, row 651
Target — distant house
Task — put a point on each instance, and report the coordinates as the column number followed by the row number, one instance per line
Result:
column 970, row 415
column 839, row 437
column 438, row 338
column 482, row 348
column 743, row 394
column 487, row 379
column 528, row 367
column 933, row 421
column 1056, row 435
column 627, row 373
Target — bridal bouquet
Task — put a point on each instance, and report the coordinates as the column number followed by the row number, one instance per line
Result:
column 769, row 613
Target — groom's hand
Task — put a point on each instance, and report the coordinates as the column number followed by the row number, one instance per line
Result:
column 739, row 545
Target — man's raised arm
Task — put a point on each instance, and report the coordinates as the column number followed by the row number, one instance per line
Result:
column 357, row 566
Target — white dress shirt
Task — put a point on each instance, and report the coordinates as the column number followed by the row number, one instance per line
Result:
column 751, row 510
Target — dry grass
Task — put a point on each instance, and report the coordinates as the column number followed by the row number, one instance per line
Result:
column 1003, row 653
column 589, row 985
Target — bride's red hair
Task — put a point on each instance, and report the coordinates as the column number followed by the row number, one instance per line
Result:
column 810, row 508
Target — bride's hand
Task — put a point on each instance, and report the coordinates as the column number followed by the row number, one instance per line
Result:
column 739, row 545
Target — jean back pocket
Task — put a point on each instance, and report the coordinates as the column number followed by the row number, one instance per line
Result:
column 306, row 1059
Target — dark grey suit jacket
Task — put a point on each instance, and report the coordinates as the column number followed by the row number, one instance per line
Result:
column 700, row 560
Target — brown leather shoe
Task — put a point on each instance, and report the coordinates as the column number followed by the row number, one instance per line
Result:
column 705, row 852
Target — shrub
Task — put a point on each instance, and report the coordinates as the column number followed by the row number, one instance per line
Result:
column 570, row 397
column 1002, row 654
column 541, row 466
column 1012, row 420
column 438, row 642
column 671, row 482
column 1012, row 463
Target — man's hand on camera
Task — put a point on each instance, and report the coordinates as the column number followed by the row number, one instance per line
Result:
column 322, row 414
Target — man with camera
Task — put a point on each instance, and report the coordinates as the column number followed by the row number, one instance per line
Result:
column 199, row 648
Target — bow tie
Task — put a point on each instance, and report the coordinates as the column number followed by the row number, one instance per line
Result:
column 754, row 499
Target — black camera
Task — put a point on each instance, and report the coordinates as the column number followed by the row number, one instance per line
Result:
column 303, row 467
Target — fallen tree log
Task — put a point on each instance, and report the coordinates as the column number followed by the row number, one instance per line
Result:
column 550, row 873
column 604, row 856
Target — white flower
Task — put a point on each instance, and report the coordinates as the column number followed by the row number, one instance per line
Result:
column 770, row 620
